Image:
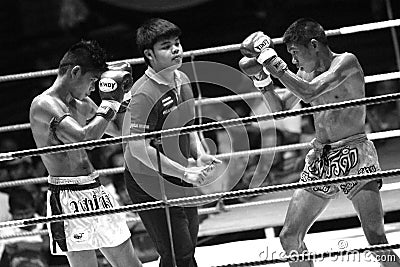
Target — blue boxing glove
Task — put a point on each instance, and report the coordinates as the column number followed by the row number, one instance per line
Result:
column 254, row 44
column 260, row 46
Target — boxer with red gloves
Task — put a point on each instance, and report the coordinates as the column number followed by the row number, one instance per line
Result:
column 62, row 114
column 323, row 77
column 127, row 70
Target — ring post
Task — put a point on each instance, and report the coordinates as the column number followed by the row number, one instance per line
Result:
column 157, row 142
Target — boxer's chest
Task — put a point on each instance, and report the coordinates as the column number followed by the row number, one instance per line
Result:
column 79, row 112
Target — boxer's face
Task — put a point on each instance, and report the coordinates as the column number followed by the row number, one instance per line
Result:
column 86, row 84
column 302, row 56
column 166, row 53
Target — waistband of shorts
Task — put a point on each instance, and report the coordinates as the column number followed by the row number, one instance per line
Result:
column 73, row 180
column 351, row 140
column 74, row 187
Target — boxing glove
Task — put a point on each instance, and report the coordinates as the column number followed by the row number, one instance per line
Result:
column 260, row 46
column 125, row 102
column 112, row 85
column 254, row 44
column 123, row 66
column 256, row 72
column 272, row 63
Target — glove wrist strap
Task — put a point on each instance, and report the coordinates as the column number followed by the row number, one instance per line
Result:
column 108, row 109
column 266, row 54
column 276, row 67
column 125, row 103
column 113, row 104
column 262, row 83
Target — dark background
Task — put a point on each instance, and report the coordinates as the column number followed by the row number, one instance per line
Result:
column 36, row 33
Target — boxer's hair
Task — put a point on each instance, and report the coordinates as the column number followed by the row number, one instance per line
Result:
column 303, row 30
column 87, row 54
column 152, row 31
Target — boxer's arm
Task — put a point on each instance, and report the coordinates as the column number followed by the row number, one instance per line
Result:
column 289, row 100
column 263, row 82
column 282, row 101
column 68, row 130
column 341, row 68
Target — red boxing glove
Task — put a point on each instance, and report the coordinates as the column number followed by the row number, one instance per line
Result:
column 112, row 85
column 125, row 102
column 255, row 71
column 123, row 66
column 254, row 44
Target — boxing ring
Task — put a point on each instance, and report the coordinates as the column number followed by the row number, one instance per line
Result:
column 253, row 252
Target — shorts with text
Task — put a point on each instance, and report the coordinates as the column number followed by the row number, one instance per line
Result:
column 86, row 233
column 350, row 156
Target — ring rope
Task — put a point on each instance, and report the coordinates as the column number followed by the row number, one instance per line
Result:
column 283, row 148
column 198, row 200
column 16, row 127
column 219, row 49
column 118, row 170
column 314, row 256
column 211, row 210
column 24, row 234
column 137, row 219
column 208, row 101
column 300, row 146
column 208, row 126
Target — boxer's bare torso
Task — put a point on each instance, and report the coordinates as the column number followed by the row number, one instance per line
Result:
column 333, row 125
column 46, row 109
